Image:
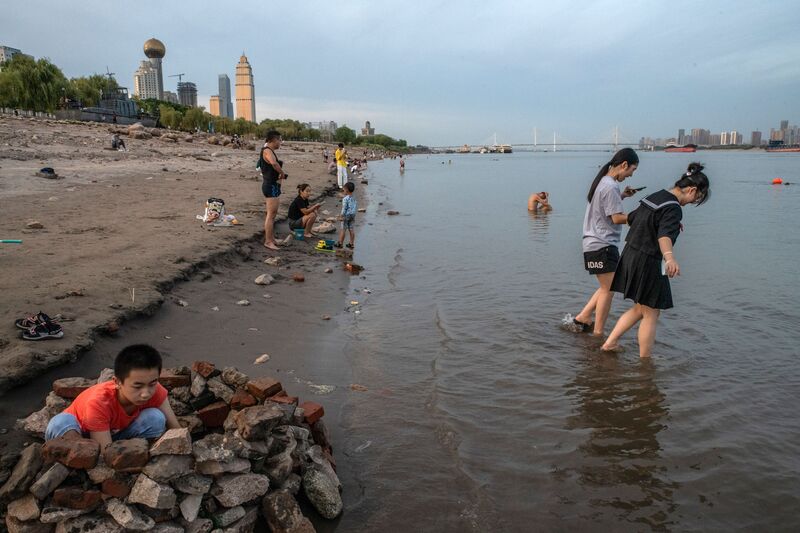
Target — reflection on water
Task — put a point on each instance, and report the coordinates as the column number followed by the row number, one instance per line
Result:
column 621, row 405
column 540, row 223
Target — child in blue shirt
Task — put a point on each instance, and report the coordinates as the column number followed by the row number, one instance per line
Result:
column 349, row 208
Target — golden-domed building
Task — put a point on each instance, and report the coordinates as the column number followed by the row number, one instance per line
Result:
column 148, row 80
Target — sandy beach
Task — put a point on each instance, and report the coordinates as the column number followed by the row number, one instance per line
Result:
column 117, row 228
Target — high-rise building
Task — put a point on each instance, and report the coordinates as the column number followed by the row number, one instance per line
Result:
column 245, row 91
column 187, row 93
column 784, row 124
column 367, row 130
column 215, row 105
column 145, row 82
column 226, row 106
column 155, row 51
column 755, row 138
column 715, row 139
column 170, row 97
column 6, row 53
column 735, row 138
column 723, row 138
column 681, row 136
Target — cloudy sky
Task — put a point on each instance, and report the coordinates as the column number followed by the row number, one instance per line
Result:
column 445, row 73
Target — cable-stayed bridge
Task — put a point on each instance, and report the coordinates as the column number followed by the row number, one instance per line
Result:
column 609, row 141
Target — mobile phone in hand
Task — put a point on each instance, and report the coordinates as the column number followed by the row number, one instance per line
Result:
column 639, row 189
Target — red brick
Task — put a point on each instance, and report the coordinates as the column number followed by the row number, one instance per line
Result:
column 74, row 453
column 298, row 277
column 313, row 411
column 242, row 399
column 127, row 455
column 214, row 415
column 264, row 387
column 76, row 498
column 171, row 380
column 118, row 486
column 204, row 368
column 70, row 387
column 286, row 400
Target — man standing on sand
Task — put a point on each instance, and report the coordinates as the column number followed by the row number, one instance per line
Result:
column 341, row 165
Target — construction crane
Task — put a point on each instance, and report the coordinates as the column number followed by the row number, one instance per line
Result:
column 109, row 73
column 179, row 76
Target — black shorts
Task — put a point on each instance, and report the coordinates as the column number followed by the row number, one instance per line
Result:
column 271, row 189
column 295, row 224
column 601, row 261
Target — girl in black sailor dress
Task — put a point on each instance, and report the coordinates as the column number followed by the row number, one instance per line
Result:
column 648, row 260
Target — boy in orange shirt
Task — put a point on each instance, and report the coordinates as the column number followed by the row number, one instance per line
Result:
column 133, row 404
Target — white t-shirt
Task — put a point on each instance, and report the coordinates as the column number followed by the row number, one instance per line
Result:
column 598, row 230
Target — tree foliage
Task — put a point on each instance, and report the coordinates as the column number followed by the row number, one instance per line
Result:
column 29, row 84
column 381, row 140
column 345, row 135
column 88, row 90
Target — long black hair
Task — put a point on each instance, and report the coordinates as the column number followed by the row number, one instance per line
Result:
column 694, row 177
column 626, row 155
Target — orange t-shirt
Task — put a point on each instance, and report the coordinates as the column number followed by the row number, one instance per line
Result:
column 98, row 409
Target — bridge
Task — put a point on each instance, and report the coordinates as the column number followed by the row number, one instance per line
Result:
column 490, row 144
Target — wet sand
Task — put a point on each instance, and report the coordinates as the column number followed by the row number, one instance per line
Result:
column 119, row 228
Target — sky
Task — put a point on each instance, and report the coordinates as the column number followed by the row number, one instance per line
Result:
column 447, row 73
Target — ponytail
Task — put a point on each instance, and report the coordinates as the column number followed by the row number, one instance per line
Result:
column 302, row 187
column 694, row 177
column 626, row 155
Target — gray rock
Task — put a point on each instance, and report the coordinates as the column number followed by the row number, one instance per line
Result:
column 15, row 526
column 314, row 457
column 278, row 467
column 229, row 516
column 322, row 493
column 192, row 484
column 292, row 484
column 264, row 279
column 184, row 394
column 167, row 467
column 99, row 473
column 220, row 390
column 173, row 442
column 190, row 506
column 168, row 527
column 107, row 374
column 151, row 493
column 201, row 525
column 231, row 490
column 128, row 516
column 198, row 385
column 90, row 522
column 256, row 423
column 192, row 422
column 25, row 508
column 36, row 423
column 178, row 407
column 213, row 447
column 246, row 524
column 52, row 515
column 215, row 468
column 283, row 515
column 52, row 478
column 23, row 474
column 233, row 377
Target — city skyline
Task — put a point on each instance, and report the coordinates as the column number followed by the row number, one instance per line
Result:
column 445, row 75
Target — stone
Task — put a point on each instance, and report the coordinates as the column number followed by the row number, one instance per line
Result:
column 264, row 387
column 234, row 378
column 192, row 484
column 261, row 359
column 226, row 517
column 25, row 508
column 242, row 399
column 203, row 368
column 322, row 493
column 99, row 473
column 127, row 455
column 283, row 514
column 272, row 261
column 313, row 412
column 128, row 516
column 89, row 523
column 74, row 453
column 220, row 390
column 285, row 400
column 198, row 385
column 36, row 423
column 173, row 442
column 71, row 387
column 15, row 526
column 298, row 277
column 231, row 490
column 278, row 467
column 34, row 224
column 107, row 374
column 392, row 212
column 164, row 468
column 212, row 447
column 328, row 270
column 152, row 494
column 192, row 423
column 321, row 435
column 237, row 465
column 52, row 478
column 183, row 394
column 178, row 407
column 243, row 303
column 204, row 400
column 256, row 423
column 170, row 379
column 52, row 514
column 161, row 515
column 76, row 498
column 264, row 279
column 292, row 483
column 117, row 486
column 190, row 506
column 23, row 474
column 246, row 524
column 324, row 227
column 214, row 415
column 201, row 525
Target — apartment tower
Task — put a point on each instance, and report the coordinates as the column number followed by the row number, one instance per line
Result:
column 245, row 91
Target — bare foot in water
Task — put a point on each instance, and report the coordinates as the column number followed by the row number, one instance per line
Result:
column 615, row 348
column 271, row 246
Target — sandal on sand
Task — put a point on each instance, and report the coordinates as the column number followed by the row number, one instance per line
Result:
column 338, row 245
column 33, row 320
column 584, row 327
column 349, row 246
column 40, row 332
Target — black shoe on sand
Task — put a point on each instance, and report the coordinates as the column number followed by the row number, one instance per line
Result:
column 45, row 331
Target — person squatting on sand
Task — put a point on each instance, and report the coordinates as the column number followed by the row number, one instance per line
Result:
column 648, row 260
column 301, row 214
column 341, row 165
column 602, row 229
column 539, row 200
column 133, row 404
column 348, row 216
column 272, row 172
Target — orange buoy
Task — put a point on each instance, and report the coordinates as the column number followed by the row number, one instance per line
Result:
column 777, row 181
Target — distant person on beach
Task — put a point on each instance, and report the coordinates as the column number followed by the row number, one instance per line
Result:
column 117, row 143
column 325, row 155
column 539, row 200
column 648, row 260
column 402, row 163
column 348, row 216
column 602, row 229
column 272, row 172
column 341, row 165
column 133, row 404
column 301, row 214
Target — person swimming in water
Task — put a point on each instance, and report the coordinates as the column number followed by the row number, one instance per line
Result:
column 539, row 200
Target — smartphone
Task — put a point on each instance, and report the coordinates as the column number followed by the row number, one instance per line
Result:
column 640, row 189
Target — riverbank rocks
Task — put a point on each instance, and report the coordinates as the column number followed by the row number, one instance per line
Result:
column 245, row 449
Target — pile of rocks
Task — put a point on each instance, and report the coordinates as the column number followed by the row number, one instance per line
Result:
column 245, row 450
